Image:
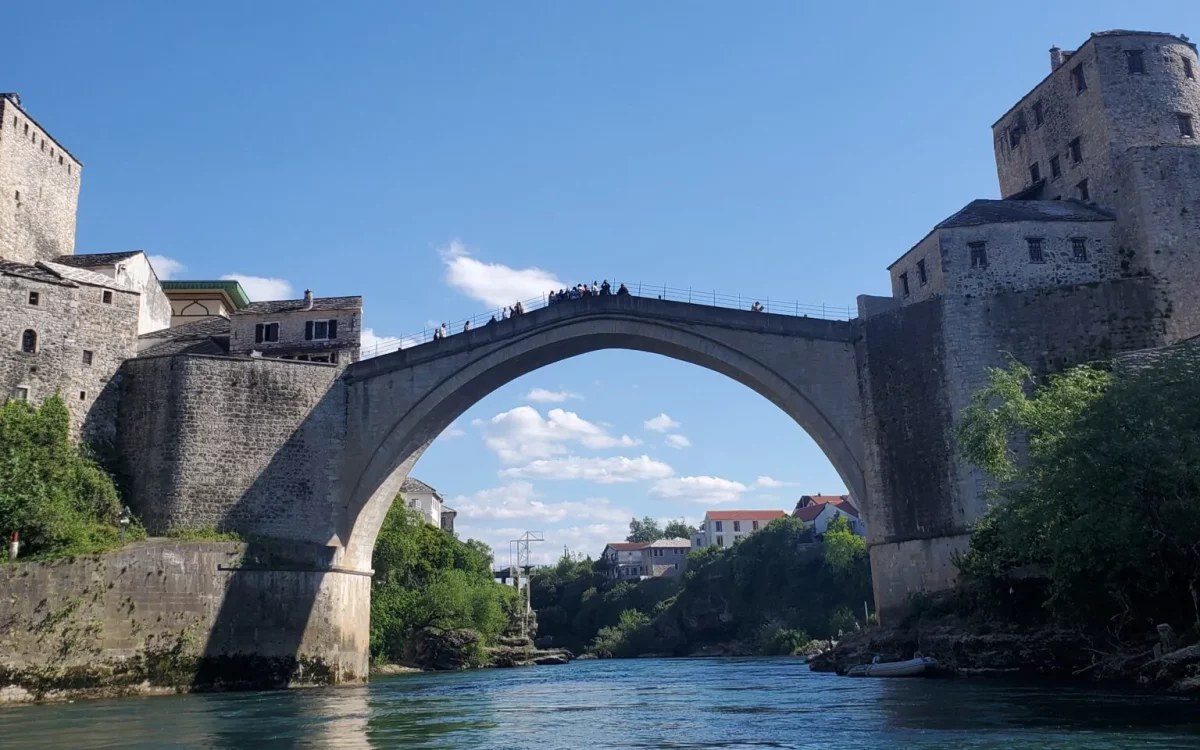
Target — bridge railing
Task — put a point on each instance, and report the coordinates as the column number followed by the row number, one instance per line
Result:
column 691, row 295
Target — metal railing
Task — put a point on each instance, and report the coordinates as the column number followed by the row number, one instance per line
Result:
column 708, row 298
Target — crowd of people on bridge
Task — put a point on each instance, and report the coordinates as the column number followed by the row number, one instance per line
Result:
column 580, row 291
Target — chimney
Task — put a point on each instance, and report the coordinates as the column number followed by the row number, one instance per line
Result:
column 1056, row 58
column 307, row 299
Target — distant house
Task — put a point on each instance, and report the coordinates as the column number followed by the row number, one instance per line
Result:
column 721, row 528
column 816, row 511
column 625, row 561
column 425, row 500
column 666, row 557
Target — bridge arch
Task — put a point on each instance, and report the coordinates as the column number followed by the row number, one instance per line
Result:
column 399, row 403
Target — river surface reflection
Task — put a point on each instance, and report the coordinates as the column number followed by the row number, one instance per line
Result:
column 646, row 703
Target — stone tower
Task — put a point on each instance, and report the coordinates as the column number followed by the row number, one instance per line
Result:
column 39, row 189
column 1116, row 124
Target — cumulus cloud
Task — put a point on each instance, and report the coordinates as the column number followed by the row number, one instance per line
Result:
column 770, row 482
column 613, row 470
column 519, row 500
column 543, row 396
column 661, row 423
column 678, row 441
column 710, row 490
column 453, row 431
column 261, row 288
column 522, row 433
column 494, row 284
column 165, row 268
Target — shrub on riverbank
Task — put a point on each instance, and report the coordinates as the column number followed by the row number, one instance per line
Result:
column 1096, row 521
column 54, row 496
column 428, row 583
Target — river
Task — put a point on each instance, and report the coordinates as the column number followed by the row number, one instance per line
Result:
column 647, row 703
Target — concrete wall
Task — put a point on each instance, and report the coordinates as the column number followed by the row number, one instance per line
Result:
column 69, row 319
column 252, row 445
column 40, row 223
column 167, row 616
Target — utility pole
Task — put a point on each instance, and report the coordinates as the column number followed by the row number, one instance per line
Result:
column 518, row 563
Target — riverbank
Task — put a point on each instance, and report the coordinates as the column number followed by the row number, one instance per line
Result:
column 965, row 649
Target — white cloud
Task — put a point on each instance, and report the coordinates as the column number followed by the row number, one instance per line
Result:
column 453, row 431
column 661, row 423
column 493, row 283
column 613, row 470
column 260, row 288
column 519, row 500
column 543, row 396
column 374, row 345
column 165, row 268
column 522, row 433
column 678, row 441
column 771, row 482
column 712, row 490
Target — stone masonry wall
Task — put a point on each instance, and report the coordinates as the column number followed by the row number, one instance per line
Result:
column 39, row 190
column 291, row 332
column 250, row 445
column 162, row 616
column 68, row 320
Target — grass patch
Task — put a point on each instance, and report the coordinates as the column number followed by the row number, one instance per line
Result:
column 203, row 534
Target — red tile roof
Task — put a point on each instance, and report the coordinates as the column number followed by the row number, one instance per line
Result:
column 744, row 515
column 627, row 546
column 810, row 512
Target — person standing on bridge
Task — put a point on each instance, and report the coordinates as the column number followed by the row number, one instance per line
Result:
column 466, row 326
column 605, row 289
column 595, row 289
column 622, row 291
column 756, row 307
column 493, row 320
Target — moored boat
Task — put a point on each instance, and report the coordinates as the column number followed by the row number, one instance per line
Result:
column 908, row 668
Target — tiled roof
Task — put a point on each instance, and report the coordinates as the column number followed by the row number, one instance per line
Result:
column 34, row 273
column 986, row 211
column 627, row 546
column 297, row 305
column 185, row 346
column 412, row 484
column 229, row 286
column 744, row 515
column 810, row 512
column 89, row 260
column 84, row 276
column 676, row 542
column 211, row 326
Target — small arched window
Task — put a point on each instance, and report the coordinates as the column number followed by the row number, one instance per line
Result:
column 29, row 341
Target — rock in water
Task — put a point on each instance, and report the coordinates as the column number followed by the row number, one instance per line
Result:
column 447, row 649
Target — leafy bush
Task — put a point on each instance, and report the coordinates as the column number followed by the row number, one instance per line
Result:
column 204, row 534
column 58, row 500
column 624, row 639
column 427, row 581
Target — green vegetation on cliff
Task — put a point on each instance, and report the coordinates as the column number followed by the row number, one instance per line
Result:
column 54, row 496
column 767, row 594
column 428, row 583
column 1096, row 521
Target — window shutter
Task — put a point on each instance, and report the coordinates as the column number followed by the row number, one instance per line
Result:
column 258, row 333
column 308, row 331
column 333, row 329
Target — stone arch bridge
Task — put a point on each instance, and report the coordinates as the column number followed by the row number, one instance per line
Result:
column 305, row 458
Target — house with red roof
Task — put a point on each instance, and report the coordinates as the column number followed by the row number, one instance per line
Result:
column 721, row 528
column 816, row 511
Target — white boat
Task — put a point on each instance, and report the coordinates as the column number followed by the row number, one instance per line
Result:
column 910, row 668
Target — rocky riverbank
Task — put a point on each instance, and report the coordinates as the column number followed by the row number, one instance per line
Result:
column 1158, row 661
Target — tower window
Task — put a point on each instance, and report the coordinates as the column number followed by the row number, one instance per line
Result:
column 1187, row 68
column 978, row 254
column 34, row 298
column 1079, row 249
column 107, row 297
column 1055, row 167
column 1084, row 195
column 29, row 341
column 1038, row 115
column 921, row 275
column 87, row 356
column 1076, row 151
column 268, row 332
column 21, row 393
column 1035, row 172
column 1185, row 126
column 1077, row 77
column 1133, row 58
column 17, row 196
column 60, row 160
column 903, row 290
column 1014, row 136
column 320, row 330
column 26, row 129
column 1035, row 250
column 83, row 395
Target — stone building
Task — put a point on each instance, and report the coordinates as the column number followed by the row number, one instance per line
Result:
column 133, row 270
column 666, row 558
column 39, row 188
column 313, row 329
column 196, row 300
column 425, row 500
column 721, row 528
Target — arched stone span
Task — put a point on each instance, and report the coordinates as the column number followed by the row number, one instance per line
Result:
column 399, row 403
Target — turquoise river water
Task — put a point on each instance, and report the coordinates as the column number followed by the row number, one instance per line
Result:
column 646, row 703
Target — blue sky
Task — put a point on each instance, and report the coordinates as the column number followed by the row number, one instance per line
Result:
column 780, row 149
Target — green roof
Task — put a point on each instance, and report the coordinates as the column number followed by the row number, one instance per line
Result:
column 230, row 287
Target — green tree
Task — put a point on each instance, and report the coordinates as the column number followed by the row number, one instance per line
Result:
column 1097, row 492
column 644, row 531
column 678, row 530
column 55, row 497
